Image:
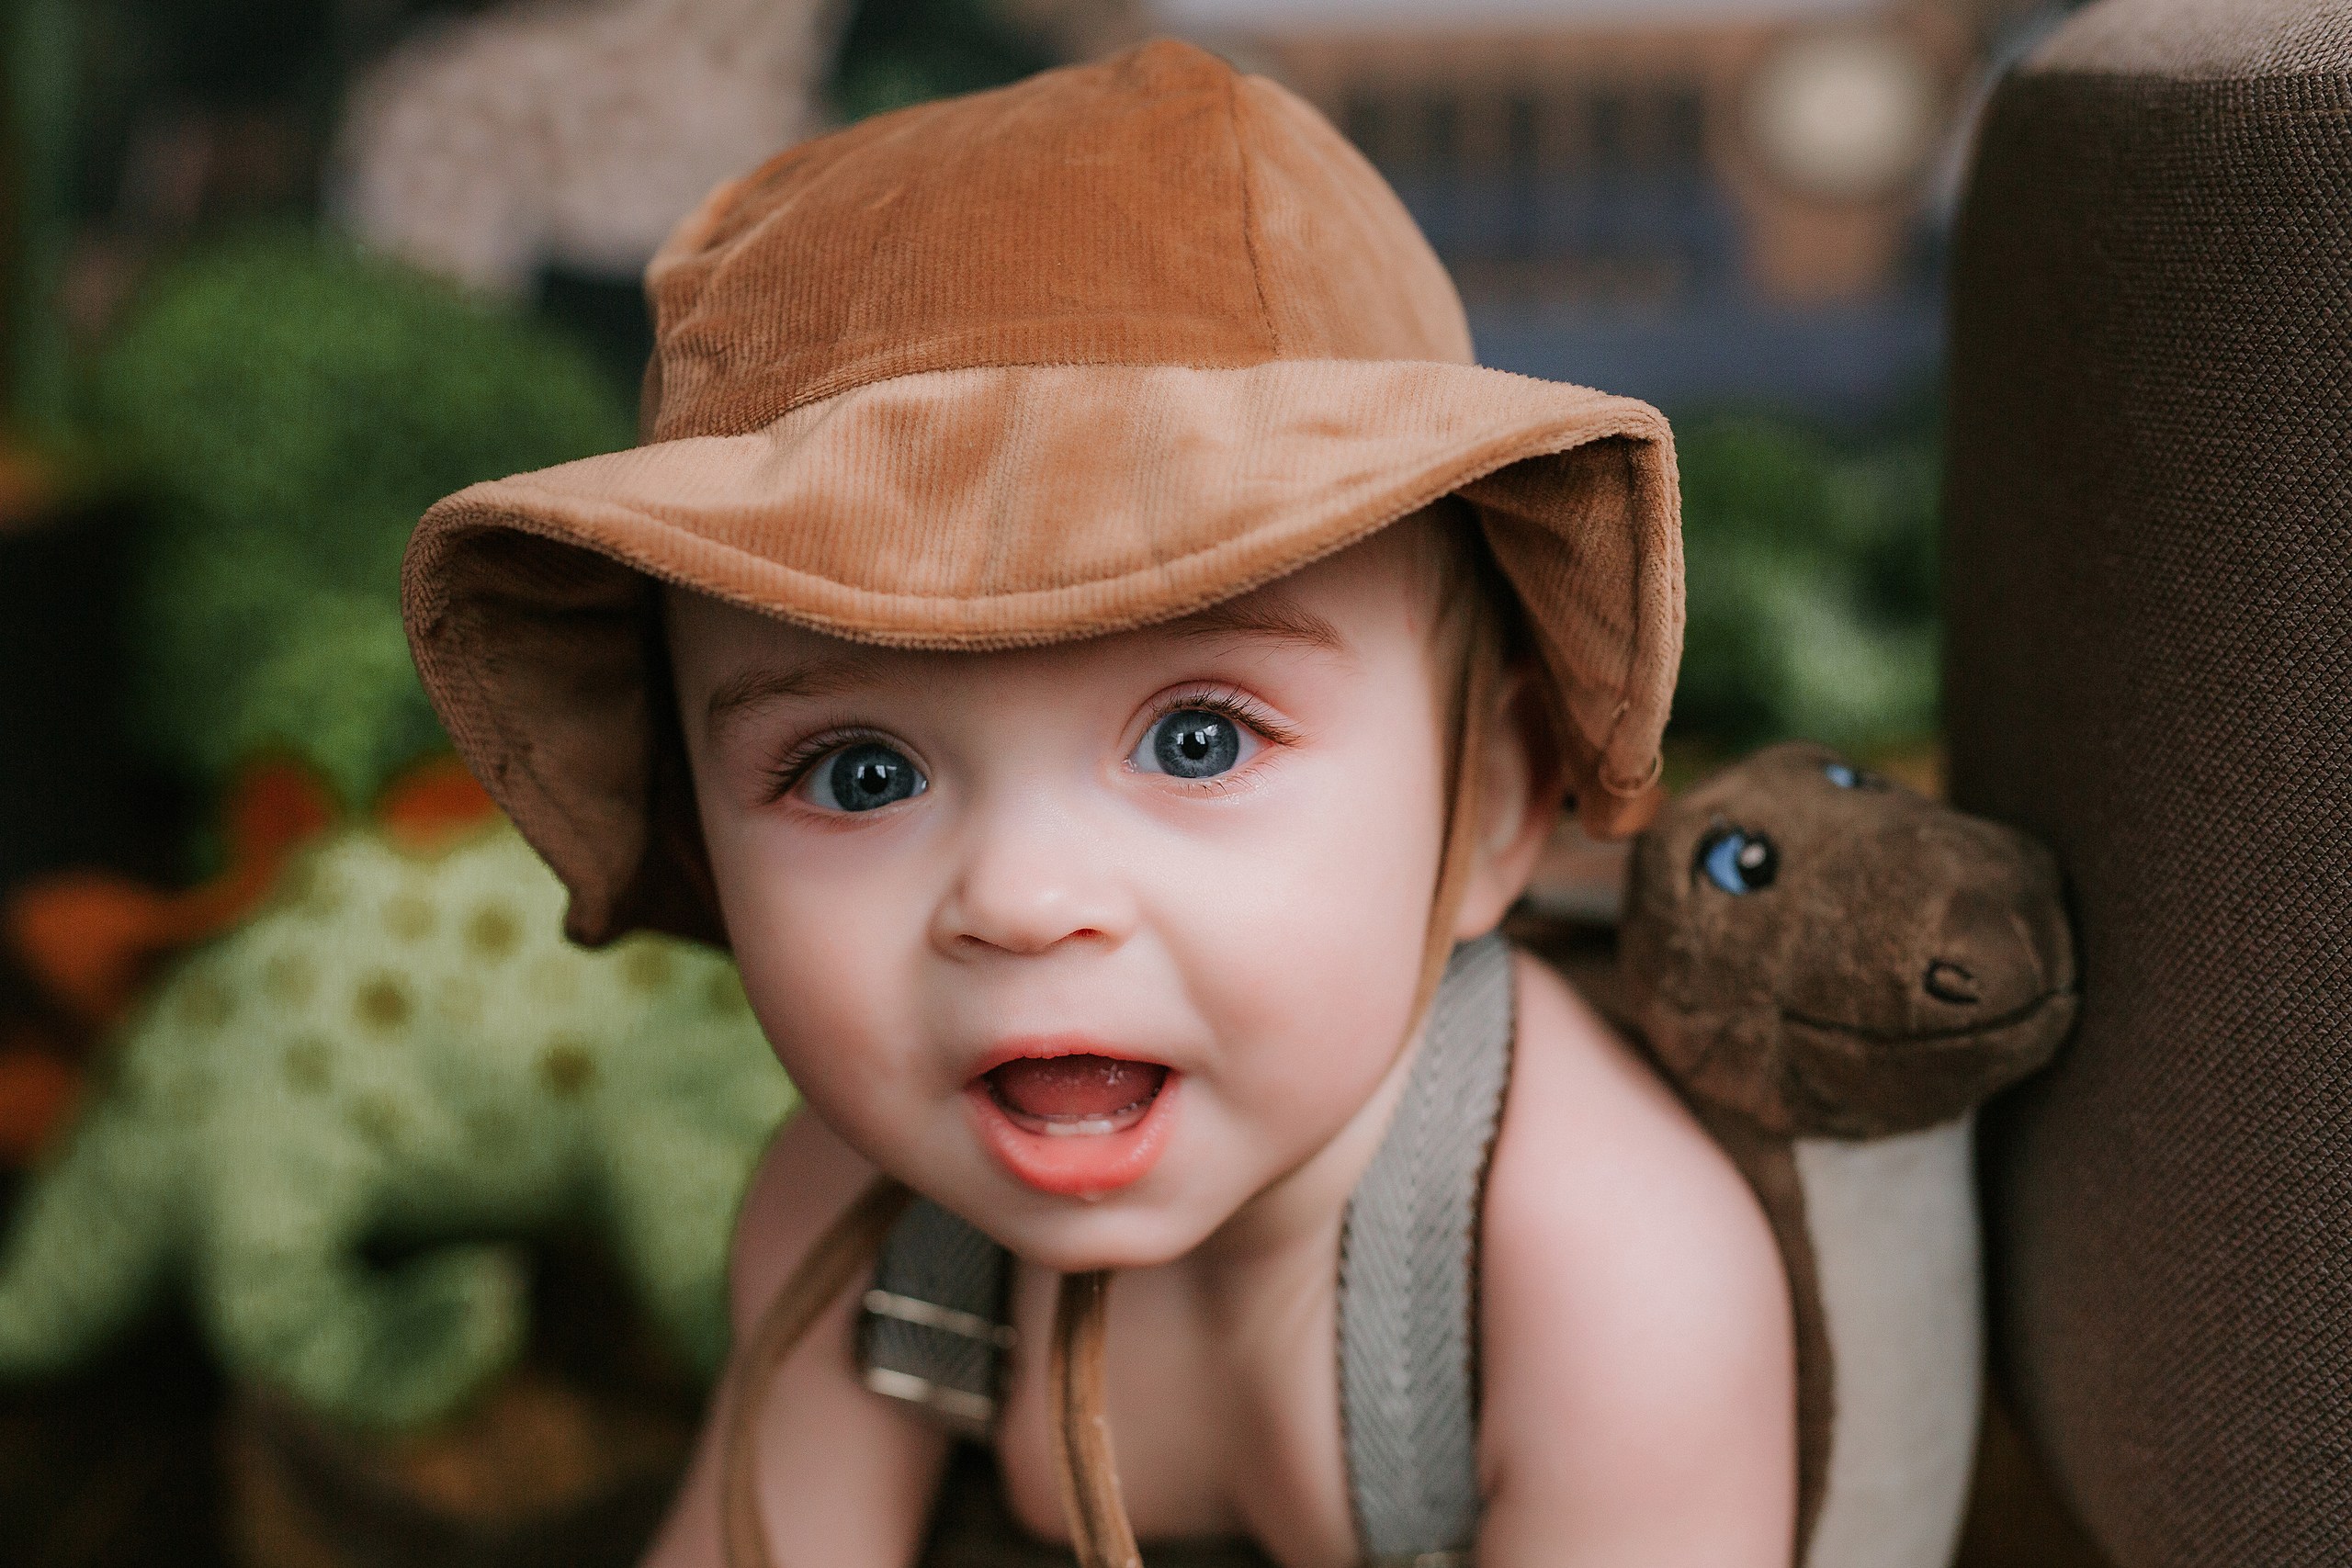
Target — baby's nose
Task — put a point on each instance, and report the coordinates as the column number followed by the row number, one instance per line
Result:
column 1032, row 888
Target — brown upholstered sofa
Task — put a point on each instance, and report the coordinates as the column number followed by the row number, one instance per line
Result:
column 2149, row 664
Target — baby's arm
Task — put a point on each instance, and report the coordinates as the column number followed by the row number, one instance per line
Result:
column 1639, row 1365
column 847, row 1477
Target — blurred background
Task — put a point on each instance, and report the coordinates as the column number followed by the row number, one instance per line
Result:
column 276, row 274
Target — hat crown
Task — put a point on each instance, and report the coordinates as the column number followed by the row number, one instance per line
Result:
column 1155, row 209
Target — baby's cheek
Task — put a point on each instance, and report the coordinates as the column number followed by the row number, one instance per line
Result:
column 1354, row 886
column 1330, row 1062
column 1321, row 977
column 851, row 1077
column 828, row 978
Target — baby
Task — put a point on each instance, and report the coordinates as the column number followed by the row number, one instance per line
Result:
column 1087, row 639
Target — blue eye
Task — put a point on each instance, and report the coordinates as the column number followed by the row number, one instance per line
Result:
column 1190, row 743
column 1847, row 777
column 865, row 777
column 1737, row 860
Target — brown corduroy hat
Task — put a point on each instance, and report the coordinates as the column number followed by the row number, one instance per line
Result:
column 1086, row 353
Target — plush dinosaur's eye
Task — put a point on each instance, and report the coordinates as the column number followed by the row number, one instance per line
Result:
column 1848, row 777
column 1738, row 861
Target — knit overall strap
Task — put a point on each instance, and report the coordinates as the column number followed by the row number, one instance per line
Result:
column 934, row 1328
column 1407, row 1278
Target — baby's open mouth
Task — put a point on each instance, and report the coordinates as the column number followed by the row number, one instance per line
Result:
column 1071, row 1121
column 1075, row 1096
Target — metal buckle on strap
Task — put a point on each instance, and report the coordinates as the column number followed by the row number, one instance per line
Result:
column 973, row 1412
column 947, row 1320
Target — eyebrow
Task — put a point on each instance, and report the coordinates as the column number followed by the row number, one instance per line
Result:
column 749, row 689
column 1265, row 621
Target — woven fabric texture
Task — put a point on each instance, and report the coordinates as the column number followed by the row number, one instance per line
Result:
column 2182, row 40
column 2149, row 584
column 950, row 1358
column 1409, row 1276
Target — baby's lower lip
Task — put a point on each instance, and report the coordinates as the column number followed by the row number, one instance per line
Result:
column 1082, row 1152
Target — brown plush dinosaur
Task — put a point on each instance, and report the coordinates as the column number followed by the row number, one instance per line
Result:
column 1836, row 972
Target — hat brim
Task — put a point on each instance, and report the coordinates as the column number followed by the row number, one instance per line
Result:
column 1014, row 507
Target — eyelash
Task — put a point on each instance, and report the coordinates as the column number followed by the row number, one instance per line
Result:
column 1226, row 703
column 786, row 774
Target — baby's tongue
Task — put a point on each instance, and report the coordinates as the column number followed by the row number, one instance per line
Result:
column 1056, row 1086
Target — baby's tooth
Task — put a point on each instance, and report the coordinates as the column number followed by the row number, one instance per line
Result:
column 1093, row 1125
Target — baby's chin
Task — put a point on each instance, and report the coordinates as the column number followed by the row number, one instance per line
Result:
column 1116, row 1231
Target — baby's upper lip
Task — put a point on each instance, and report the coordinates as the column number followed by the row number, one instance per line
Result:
column 1047, row 1046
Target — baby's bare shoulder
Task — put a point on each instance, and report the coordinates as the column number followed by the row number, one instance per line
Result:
column 1638, row 1362
column 1594, row 1147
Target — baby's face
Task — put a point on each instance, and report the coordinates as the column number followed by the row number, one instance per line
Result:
column 1095, row 943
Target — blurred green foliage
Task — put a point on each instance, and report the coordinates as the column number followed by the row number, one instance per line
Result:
column 290, row 408
column 898, row 52
column 38, row 57
column 1811, row 564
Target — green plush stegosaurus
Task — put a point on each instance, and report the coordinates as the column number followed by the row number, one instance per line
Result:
column 400, row 1048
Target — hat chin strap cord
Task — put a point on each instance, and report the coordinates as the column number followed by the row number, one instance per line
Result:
column 1100, row 1533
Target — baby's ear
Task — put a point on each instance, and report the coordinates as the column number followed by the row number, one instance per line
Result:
column 1521, row 784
